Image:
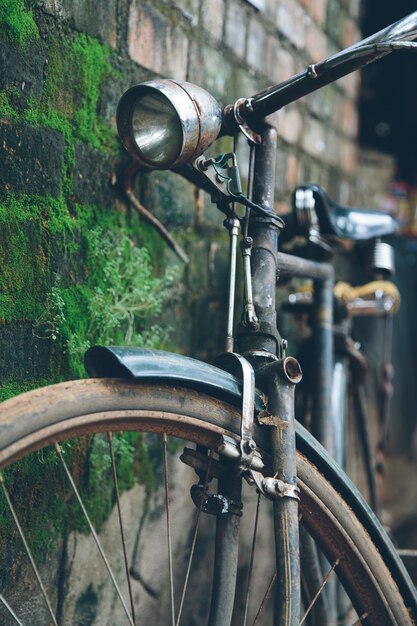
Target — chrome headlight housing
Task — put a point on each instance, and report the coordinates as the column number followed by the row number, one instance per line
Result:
column 165, row 123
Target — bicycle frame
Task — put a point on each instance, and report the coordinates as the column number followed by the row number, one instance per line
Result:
column 261, row 342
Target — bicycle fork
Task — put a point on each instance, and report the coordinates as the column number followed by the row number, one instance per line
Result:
column 281, row 378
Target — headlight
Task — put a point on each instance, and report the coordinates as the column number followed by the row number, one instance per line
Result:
column 164, row 123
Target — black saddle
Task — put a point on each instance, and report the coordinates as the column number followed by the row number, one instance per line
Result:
column 314, row 210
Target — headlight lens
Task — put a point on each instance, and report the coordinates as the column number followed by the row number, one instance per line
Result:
column 165, row 124
column 156, row 129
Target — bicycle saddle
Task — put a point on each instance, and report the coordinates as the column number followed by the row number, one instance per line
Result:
column 314, row 209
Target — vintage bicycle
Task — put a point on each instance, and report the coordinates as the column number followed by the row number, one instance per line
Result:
column 238, row 413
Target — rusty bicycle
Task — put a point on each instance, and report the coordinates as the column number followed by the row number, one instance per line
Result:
column 238, row 414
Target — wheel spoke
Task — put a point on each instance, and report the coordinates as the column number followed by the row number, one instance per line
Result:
column 197, row 523
column 9, row 608
column 28, row 552
column 168, row 519
column 252, row 555
column 323, row 584
column 264, row 599
column 122, row 534
column 93, row 532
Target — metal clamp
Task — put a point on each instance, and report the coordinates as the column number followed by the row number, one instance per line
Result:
column 224, row 182
column 227, row 362
column 250, row 134
column 273, row 488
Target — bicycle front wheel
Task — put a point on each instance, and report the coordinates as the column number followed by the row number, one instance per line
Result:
column 330, row 511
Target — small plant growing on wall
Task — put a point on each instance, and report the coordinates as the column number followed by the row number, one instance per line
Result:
column 118, row 297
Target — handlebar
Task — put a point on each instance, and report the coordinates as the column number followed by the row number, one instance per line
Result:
column 394, row 37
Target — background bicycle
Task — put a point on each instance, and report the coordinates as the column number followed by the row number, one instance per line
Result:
column 69, row 195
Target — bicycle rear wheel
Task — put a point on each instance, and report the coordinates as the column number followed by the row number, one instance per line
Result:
column 330, row 510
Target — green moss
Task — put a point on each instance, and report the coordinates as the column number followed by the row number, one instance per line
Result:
column 38, row 116
column 92, row 59
column 9, row 389
column 6, row 110
column 16, row 22
column 27, row 225
column 76, row 71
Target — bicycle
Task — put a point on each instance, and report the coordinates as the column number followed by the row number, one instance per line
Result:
column 377, row 299
column 168, row 125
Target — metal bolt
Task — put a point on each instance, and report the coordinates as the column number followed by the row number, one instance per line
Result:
column 250, row 445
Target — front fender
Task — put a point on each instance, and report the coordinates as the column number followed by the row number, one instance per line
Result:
column 142, row 364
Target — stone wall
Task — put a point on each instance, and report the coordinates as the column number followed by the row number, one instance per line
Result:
column 63, row 66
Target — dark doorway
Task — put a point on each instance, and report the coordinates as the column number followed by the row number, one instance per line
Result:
column 388, row 101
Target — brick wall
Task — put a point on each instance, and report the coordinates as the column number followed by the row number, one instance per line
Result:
column 63, row 66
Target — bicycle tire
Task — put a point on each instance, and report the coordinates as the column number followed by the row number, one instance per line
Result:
column 331, row 510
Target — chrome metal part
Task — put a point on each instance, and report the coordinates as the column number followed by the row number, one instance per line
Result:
column 233, row 226
column 230, row 448
column 383, row 258
column 249, row 133
column 188, row 115
column 304, row 203
column 247, row 444
column 250, row 317
column 274, row 488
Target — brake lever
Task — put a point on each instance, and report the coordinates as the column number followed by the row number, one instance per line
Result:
column 223, row 183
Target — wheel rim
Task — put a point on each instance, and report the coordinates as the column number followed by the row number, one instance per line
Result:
column 331, row 536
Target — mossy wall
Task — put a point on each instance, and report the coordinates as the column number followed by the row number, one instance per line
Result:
column 77, row 264
column 60, row 206
column 63, row 66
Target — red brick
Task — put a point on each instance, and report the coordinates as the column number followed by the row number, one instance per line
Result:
column 349, row 156
column 155, row 44
column 236, row 25
column 212, row 18
column 256, row 48
column 319, row 10
column 292, row 175
column 290, row 124
column 316, row 43
column 349, row 119
column 286, row 64
column 350, row 33
column 350, row 84
column 290, row 20
column 314, row 138
column 333, row 143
